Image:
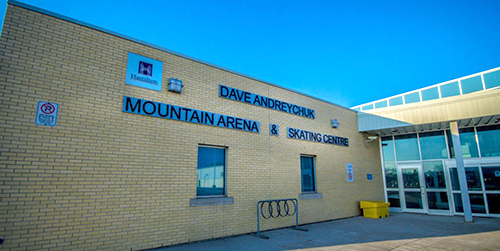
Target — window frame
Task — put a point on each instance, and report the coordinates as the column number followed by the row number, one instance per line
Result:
column 315, row 187
column 225, row 171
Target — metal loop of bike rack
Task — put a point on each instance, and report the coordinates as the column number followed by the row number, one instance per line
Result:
column 277, row 208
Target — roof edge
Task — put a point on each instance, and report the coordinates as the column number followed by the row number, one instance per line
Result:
column 431, row 86
column 110, row 32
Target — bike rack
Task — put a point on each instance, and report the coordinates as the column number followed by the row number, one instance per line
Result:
column 275, row 209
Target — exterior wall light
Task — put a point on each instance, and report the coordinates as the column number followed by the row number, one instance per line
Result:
column 335, row 123
column 175, row 85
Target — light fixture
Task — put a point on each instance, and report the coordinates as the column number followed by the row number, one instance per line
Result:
column 335, row 123
column 175, row 85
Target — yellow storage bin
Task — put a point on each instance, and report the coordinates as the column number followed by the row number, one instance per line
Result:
column 374, row 209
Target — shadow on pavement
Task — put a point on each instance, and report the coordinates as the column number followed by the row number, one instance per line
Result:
column 397, row 232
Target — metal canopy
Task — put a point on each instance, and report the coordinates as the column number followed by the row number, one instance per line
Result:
column 463, row 123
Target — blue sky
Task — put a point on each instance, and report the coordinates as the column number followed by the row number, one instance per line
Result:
column 347, row 52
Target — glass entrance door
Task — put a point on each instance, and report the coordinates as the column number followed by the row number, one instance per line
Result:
column 435, row 186
column 413, row 189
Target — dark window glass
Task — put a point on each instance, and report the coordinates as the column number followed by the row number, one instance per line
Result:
column 211, row 168
column 391, row 175
column 307, row 172
column 411, row 178
column 438, row 200
column 472, row 176
column 491, row 175
column 393, row 198
column 493, row 203
column 413, row 200
column 467, row 142
column 489, row 140
column 434, row 174
column 433, row 145
column 476, row 203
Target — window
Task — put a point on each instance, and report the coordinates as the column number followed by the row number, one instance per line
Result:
column 438, row 200
column 473, row 84
column 493, row 203
column 434, row 175
column 489, row 140
column 467, row 142
column 388, row 148
column 492, row 79
column 412, row 98
column 491, row 177
column 391, row 175
column 407, row 147
column 430, row 94
column 381, row 104
column 476, row 203
column 484, row 189
column 396, row 101
column 472, row 177
column 433, row 145
column 450, row 90
column 307, row 174
column 393, row 198
column 211, row 179
column 367, row 107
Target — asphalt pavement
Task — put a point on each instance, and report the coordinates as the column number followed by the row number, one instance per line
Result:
column 400, row 231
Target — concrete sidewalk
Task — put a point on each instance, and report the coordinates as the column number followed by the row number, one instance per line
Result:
column 397, row 232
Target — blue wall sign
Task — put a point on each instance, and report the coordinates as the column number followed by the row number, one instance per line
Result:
column 160, row 110
column 254, row 99
column 316, row 137
column 369, row 176
column 144, row 72
column 274, row 129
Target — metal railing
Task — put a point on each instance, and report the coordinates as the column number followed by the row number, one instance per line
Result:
column 277, row 208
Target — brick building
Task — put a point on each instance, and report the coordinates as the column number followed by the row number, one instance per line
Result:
column 110, row 143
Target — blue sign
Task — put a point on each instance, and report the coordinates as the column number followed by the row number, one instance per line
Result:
column 144, row 72
column 165, row 111
column 316, row 137
column 369, row 176
column 145, row 68
column 254, row 99
column 274, row 129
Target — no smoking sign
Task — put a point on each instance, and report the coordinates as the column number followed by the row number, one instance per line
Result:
column 46, row 113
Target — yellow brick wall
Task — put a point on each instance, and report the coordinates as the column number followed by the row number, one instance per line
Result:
column 107, row 180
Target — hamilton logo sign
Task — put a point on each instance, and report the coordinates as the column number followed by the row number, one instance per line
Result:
column 145, row 68
column 140, row 72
